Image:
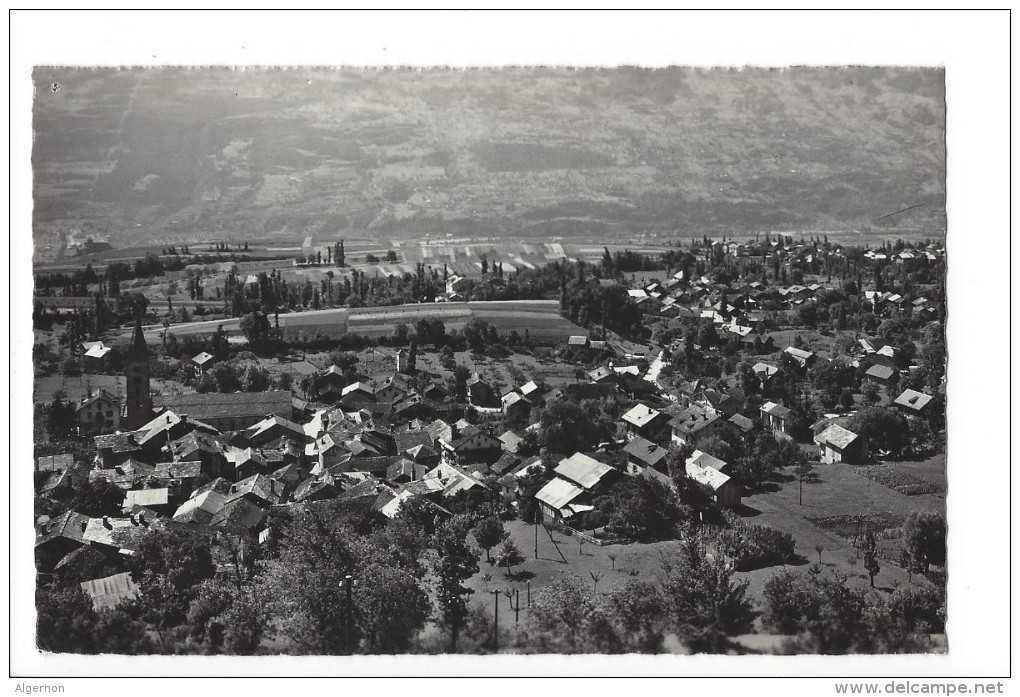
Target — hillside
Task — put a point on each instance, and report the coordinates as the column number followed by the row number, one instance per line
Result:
column 194, row 154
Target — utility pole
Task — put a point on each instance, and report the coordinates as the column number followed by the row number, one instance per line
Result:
column 349, row 586
column 495, row 623
column 536, row 532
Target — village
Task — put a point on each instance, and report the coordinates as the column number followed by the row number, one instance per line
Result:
column 772, row 410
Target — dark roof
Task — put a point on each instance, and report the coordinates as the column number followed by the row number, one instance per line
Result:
column 645, row 451
column 238, row 404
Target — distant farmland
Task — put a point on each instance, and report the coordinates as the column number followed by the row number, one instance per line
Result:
column 540, row 318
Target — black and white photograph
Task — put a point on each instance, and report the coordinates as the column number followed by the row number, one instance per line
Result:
column 529, row 360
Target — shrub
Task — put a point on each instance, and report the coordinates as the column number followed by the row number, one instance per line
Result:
column 756, row 546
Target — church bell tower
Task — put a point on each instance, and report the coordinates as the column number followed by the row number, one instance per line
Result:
column 139, row 399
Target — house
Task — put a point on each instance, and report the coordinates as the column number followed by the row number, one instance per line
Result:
column 697, row 422
column 742, row 424
column 643, row 453
column 229, row 411
column 764, row 372
column 585, row 471
column 95, row 354
column 203, row 362
column 480, row 393
column 273, row 427
column 98, row 412
column 803, row 358
column 642, row 420
column 57, row 537
column 703, row 459
column 838, row 444
column 467, row 443
column 511, row 441
column 912, row 402
column 776, row 418
column 157, row 500
column 201, row 507
column 882, row 374
column 560, row 499
column 515, row 405
column 719, row 487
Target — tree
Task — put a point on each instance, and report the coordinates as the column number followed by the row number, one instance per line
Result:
column 826, row 613
column 455, row 562
column 705, row 605
column 883, row 428
column 489, row 532
column 509, row 555
column 869, row 546
column 924, row 537
column 567, row 428
column 304, row 587
column 168, row 567
column 66, row 620
column 804, row 470
column 98, row 498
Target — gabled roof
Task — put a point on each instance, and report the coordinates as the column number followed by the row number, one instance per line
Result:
column 776, row 410
column 583, row 470
column 702, row 459
column 511, row 441
column 707, row 476
column 645, row 451
column 741, row 422
column 558, row 493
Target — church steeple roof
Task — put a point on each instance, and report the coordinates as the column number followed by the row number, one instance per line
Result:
column 138, row 346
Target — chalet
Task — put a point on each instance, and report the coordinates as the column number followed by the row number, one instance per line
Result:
column 511, row 441
column 577, row 341
column 697, row 422
column 803, row 358
column 481, row 394
column 882, row 374
column 273, row 427
column 100, row 412
column 468, row 443
column 764, row 372
column 57, row 537
column 515, row 404
column 643, row 453
column 569, row 492
column 838, row 444
column 741, row 423
column 258, row 489
column 203, row 362
column 201, row 507
column 776, row 418
column 95, row 355
column 703, row 459
column 646, row 422
column 912, row 402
